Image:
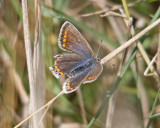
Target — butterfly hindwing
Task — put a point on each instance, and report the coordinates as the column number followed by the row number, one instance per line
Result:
column 71, row 84
column 94, row 72
column 70, row 39
column 65, row 63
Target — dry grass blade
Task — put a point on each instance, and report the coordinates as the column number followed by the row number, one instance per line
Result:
column 27, row 42
column 28, row 49
column 38, row 66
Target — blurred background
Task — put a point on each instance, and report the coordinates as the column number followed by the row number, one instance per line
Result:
column 132, row 100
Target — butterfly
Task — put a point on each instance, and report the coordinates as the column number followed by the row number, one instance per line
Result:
column 79, row 65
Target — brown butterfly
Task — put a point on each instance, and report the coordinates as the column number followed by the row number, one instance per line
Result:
column 79, row 65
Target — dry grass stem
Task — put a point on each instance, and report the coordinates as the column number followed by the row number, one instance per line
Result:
column 27, row 42
column 129, row 42
column 40, row 109
column 158, row 54
column 147, row 69
column 81, row 103
column 113, row 14
column 18, row 83
column 28, row 49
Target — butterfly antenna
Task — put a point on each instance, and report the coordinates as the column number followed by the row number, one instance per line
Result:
column 98, row 48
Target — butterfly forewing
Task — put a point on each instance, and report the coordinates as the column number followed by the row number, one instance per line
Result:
column 70, row 39
column 65, row 63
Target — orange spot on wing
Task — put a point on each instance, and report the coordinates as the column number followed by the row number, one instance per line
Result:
column 65, row 32
column 58, row 70
column 65, row 36
column 61, row 73
column 91, row 78
column 55, row 63
column 56, row 66
column 64, row 45
column 64, row 40
column 69, row 85
column 57, row 58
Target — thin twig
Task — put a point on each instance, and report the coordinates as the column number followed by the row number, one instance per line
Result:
column 116, row 7
column 42, row 116
column 110, row 13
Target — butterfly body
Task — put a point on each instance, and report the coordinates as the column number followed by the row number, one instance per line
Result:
column 79, row 65
column 85, row 65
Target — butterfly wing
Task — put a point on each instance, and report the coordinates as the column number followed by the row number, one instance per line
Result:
column 65, row 63
column 86, row 75
column 94, row 72
column 71, row 84
column 70, row 39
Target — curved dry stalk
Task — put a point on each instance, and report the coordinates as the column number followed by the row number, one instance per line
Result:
column 40, row 109
column 129, row 42
column 116, row 7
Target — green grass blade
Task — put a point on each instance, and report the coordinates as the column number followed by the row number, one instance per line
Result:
column 17, row 8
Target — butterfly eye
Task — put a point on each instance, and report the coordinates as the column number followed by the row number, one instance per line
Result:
column 98, row 59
